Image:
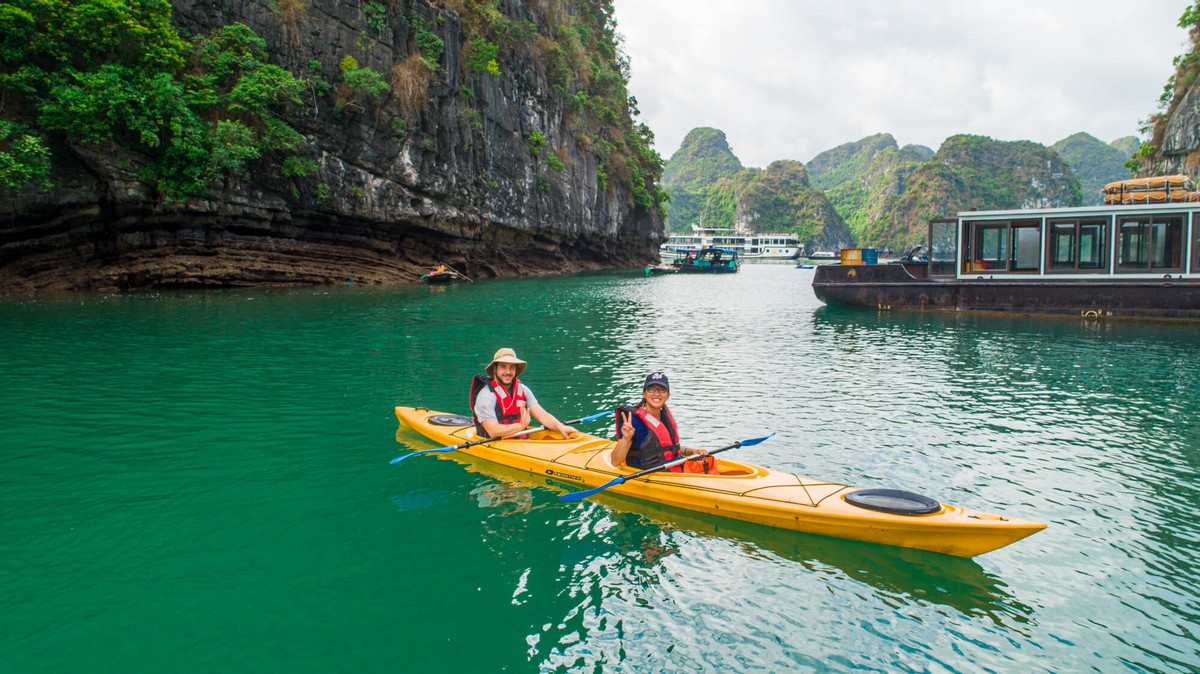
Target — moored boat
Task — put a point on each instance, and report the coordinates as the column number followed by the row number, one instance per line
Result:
column 707, row 261
column 1099, row 262
column 442, row 274
column 436, row 277
column 742, row 491
column 766, row 246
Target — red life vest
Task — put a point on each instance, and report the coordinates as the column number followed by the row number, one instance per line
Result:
column 661, row 443
column 508, row 405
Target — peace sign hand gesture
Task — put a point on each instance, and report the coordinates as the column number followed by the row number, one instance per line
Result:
column 627, row 425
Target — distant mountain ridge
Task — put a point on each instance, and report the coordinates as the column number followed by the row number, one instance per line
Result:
column 874, row 193
column 709, row 185
column 1096, row 162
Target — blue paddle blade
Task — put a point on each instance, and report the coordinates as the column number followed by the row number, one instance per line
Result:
column 571, row 497
column 398, row 459
column 755, row 441
column 593, row 417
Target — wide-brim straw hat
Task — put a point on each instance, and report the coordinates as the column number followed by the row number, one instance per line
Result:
column 505, row 355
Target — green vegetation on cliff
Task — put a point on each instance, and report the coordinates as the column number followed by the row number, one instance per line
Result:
column 848, row 162
column 976, row 173
column 861, row 179
column 589, row 76
column 109, row 76
column 777, row 199
column 1095, row 162
column 116, row 78
column 702, row 159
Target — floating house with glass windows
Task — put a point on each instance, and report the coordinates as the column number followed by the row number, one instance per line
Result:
column 1140, row 260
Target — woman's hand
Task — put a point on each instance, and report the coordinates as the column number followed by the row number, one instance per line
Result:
column 627, row 426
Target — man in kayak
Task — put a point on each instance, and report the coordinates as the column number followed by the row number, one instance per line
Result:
column 502, row 405
column 647, row 435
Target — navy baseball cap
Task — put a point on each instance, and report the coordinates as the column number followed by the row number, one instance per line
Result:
column 656, row 379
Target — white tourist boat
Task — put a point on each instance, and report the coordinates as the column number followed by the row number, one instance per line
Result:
column 748, row 247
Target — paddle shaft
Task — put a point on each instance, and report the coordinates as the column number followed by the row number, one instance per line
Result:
column 580, row 495
column 481, row 441
column 682, row 459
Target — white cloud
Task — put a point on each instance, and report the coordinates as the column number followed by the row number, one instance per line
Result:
column 789, row 79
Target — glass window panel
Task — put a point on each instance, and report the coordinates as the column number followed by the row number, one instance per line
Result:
column 1027, row 247
column 1091, row 246
column 1166, row 250
column 1130, row 245
column 941, row 247
column 991, row 249
column 1062, row 246
column 1196, row 245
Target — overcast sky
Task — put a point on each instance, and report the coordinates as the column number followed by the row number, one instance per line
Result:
column 788, row 79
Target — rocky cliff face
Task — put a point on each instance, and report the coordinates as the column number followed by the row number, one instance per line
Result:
column 496, row 171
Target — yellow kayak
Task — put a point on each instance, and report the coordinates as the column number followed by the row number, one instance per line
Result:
column 741, row 491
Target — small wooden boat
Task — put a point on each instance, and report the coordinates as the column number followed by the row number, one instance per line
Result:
column 442, row 274
column 708, row 261
column 438, row 277
column 741, row 491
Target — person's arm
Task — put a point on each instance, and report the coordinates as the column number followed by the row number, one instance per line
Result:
column 496, row 429
column 549, row 421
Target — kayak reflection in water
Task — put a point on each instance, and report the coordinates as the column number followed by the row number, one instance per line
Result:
column 647, row 435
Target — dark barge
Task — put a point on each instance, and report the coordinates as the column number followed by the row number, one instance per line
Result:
column 1117, row 261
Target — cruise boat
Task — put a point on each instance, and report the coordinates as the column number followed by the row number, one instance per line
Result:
column 822, row 255
column 1128, row 259
column 751, row 247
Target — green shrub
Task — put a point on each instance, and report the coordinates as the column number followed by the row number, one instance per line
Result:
column 24, row 158
column 536, row 142
column 116, row 72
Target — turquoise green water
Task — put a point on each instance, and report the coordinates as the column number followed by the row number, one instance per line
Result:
column 200, row 482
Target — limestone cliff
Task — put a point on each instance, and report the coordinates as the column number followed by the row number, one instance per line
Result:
column 498, row 166
column 703, row 158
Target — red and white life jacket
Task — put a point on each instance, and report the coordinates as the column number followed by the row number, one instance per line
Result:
column 660, row 444
column 508, row 404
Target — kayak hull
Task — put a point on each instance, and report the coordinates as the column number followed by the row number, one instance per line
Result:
column 741, row 491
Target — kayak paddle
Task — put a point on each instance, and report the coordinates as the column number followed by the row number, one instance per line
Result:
column 451, row 448
column 571, row 497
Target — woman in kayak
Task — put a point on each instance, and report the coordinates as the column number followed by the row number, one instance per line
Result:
column 647, row 435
